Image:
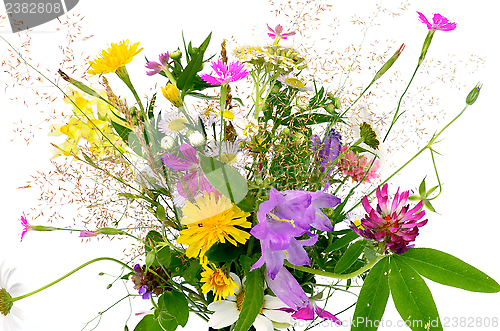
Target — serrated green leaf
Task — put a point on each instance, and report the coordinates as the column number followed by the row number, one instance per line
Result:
column 226, row 179
column 373, row 298
column 448, row 270
column 412, row 297
column 254, row 296
column 342, row 241
column 148, row 323
column 176, row 305
column 350, row 256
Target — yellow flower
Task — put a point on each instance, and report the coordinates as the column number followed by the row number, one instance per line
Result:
column 219, row 281
column 212, row 219
column 116, row 56
column 172, row 94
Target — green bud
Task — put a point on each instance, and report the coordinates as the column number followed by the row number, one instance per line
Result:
column 472, row 96
column 42, row 228
column 101, row 273
column 176, row 55
column 389, row 63
column 109, row 231
column 369, row 136
column 330, row 108
column 286, row 131
column 425, row 46
column 299, row 137
column 109, row 286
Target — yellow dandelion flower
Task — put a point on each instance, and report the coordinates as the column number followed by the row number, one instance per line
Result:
column 212, row 219
column 116, row 56
column 220, row 282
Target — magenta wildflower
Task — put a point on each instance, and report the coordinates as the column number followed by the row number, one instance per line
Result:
column 277, row 33
column 26, row 225
column 225, row 74
column 393, row 224
column 194, row 180
column 156, row 67
column 312, row 309
column 87, row 234
column 439, row 22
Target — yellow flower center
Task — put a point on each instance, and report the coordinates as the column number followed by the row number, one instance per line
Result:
column 239, row 300
column 219, row 281
column 228, row 158
column 177, row 124
column 228, row 114
column 295, row 82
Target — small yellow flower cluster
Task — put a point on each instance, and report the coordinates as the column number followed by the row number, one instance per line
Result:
column 97, row 131
column 284, row 59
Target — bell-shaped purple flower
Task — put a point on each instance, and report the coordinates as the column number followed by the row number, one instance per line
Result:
column 286, row 288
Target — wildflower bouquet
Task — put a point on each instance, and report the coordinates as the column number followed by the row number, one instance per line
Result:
column 247, row 205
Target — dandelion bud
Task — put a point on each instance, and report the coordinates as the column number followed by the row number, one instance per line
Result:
column 176, row 55
column 172, row 94
column 472, row 96
column 389, row 63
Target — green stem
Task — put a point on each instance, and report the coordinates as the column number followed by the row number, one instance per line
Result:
column 70, row 273
column 356, row 273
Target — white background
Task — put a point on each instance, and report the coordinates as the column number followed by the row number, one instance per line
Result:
column 469, row 168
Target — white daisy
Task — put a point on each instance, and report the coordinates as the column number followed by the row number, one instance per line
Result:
column 231, row 152
column 173, row 123
column 226, row 312
column 294, row 82
column 8, row 312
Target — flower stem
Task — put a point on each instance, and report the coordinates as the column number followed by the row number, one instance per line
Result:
column 356, row 273
column 70, row 273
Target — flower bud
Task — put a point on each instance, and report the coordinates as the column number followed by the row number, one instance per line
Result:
column 109, row 231
column 369, row 136
column 176, row 55
column 472, row 96
column 196, row 138
column 389, row 63
column 42, row 228
column 167, row 142
column 172, row 94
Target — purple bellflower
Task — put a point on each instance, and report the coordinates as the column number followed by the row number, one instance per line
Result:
column 287, row 289
column 393, row 224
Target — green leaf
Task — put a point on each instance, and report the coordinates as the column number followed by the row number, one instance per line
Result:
column 342, row 241
column 176, row 305
column 167, row 321
column 226, row 179
column 185, row 80
column 160, row 212
column 350, row 256
column 412, row 297
column 148, row 323
column 151, row 239
column 164, row 256
column 254, row 296
column 222, row 252
column 122, row 131
column 191, row 273
column 448, row 270
column 248, row 204
column 372, row 298
column 421, row 189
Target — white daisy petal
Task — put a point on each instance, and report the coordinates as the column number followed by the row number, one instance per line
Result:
column 263, row 323
column 271, row 302
column 278, row 316
column 225, row 314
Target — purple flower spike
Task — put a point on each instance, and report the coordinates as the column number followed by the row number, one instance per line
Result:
column 393, row 224
column 287, row 289
column 156, row 67
column 277, row 32
column 225, row 74
column 327, row 151
column 143, row 290
column 439, row 22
